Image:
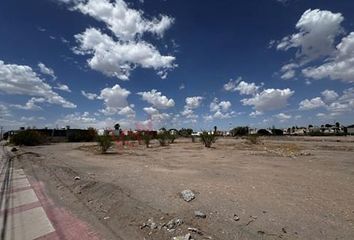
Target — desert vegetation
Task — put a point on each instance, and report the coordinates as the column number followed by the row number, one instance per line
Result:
column 28, row 138
column 104, row 142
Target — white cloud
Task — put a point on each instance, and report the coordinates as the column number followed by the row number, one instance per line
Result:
column 63, row 87
column 317, row 32
column 288, row 71
column 115, row 100
column 193, row 102
column 117, row 58
column 31, row 104
column 46, row 70
column 182, row 86
column 255, row 114
column 4, row 112
column 157, row 99
column 22, row 80
column 311, row 104
column 90, row 96
column 340, row 67
column 126, row 23
column 242, row 87
column 220, row 110
column 127, row 112
column 283, row 117
column 151, row 110
column 329, row 95
column 269, row 99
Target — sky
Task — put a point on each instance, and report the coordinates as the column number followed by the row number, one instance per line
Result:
column 148, row 64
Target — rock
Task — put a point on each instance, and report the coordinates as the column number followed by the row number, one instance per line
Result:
column 151, row 224
column 195, row 230
column 187, row 195
column 13, row 149
column 186, row 237
column 173, row 223
column 199, row 214
column 77, row 178
column 236, row 218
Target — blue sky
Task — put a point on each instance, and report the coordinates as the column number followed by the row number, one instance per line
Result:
column 176, row 63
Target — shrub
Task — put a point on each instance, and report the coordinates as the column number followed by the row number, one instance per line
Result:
column 105, row 142
column 253, row 139
column 207, row 139
column 263, row 132
column 147, row 138
column 28, row 138
column 171, row 137
column 163, row 138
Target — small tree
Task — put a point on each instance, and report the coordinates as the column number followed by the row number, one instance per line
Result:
column 207, row 139
column 105, row 142
column 163, row 138
column 147, row 138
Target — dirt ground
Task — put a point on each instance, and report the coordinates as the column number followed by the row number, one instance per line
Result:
column 282, row 188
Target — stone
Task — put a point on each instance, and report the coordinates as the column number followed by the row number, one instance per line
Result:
column 13, row 149
column 151, row 224
column 236, row 218
column 77, row 178
column 199, row 214
column 173, row 223
column 187, row 195
column 195, row 230
column 185, row 237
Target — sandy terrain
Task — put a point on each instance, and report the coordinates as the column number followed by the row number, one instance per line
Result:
column 288, row 188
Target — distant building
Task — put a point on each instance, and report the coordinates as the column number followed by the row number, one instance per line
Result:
column 350, row 129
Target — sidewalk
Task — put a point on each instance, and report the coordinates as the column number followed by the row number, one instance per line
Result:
column 27, row 213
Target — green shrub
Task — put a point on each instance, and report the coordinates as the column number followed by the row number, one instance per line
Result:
column 207, row 139
column 239, row 131
column 105, row 142
column 171, row 137
column 163, row 138
column 147, row 138
column 28, row 138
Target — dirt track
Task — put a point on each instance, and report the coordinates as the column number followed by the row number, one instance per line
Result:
column 298, row 188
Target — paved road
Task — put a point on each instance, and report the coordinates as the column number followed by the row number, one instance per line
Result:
column 27, row 213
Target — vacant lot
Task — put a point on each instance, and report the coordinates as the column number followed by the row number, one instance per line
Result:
column 288, row 188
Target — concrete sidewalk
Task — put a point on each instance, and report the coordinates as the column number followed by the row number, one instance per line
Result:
column 27, row 213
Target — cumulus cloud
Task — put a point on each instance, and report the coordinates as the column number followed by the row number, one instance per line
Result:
column 126, row 23
column 116, row 101
column 311, row 104
column 157, row 100
column 191, row 104
column 317, row 31
column 46, row 70
column 119, row 53
column 339, row 67
column 316, row 40
column 242, row 87
column 282, row 117
column 329, row 95
column 219, row 110
column 335, row 104
column 269, row 99
column 117, row 58
column 22, row 80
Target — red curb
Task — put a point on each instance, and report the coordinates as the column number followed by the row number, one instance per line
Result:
column 66, row 225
